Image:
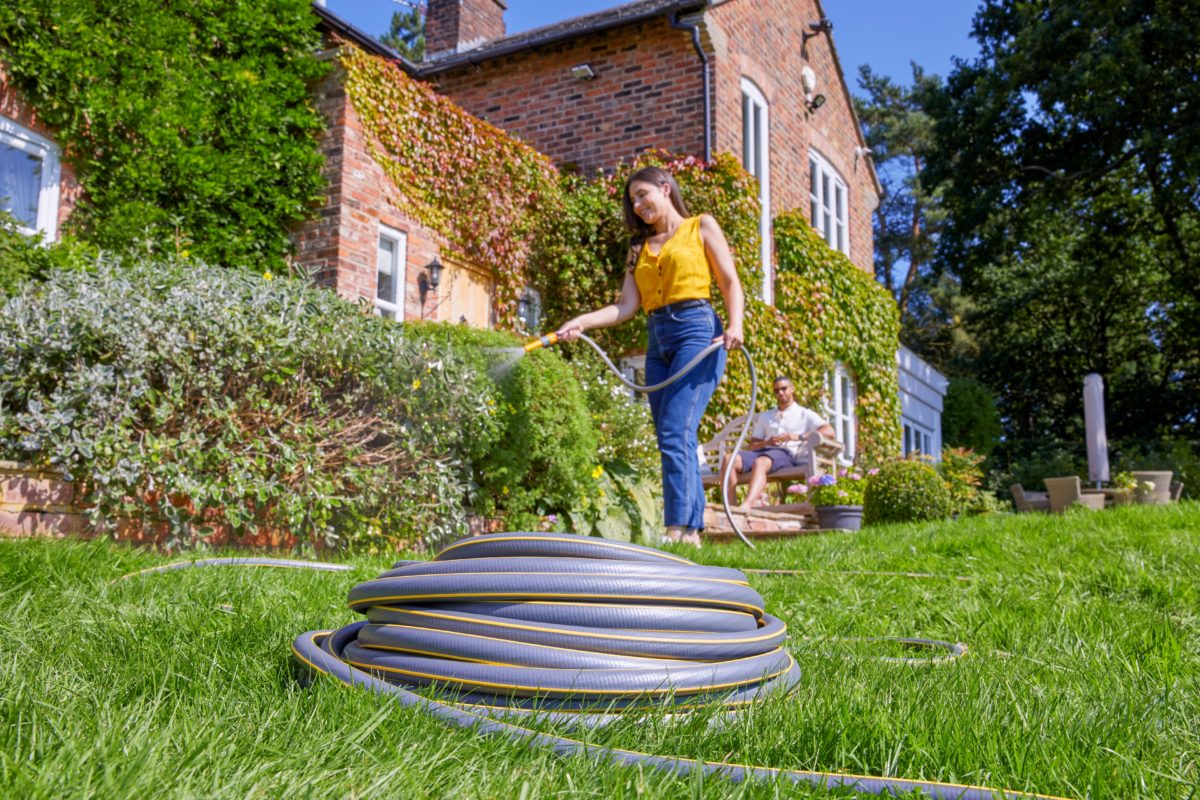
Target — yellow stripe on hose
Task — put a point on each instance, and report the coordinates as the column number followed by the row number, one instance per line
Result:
column 705, row 687
column 574, row 541
column 449, row 575
column 368, row 601
column 536, row 629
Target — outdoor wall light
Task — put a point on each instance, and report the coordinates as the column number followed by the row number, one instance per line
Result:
column 430, row 279
column 814, row 102
column 583, row 72
column 823, row 25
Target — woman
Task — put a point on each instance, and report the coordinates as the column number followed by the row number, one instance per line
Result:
column 672, row 258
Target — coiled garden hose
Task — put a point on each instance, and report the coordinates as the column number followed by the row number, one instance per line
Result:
column 558, row 624
column 552, row 338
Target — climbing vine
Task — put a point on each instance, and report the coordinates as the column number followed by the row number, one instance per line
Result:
column 189, row 124
column 470, row 181
column 827, row 311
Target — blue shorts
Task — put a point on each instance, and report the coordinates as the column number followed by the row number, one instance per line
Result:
column 780, row 458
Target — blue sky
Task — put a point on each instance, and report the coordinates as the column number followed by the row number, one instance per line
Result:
column 887, row 34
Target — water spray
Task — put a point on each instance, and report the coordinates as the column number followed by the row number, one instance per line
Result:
column 552, row 338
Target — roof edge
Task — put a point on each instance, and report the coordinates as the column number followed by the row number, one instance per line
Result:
column 361, row 38
column 481, row 54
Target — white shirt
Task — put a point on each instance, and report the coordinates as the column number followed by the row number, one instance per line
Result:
column 793, row 419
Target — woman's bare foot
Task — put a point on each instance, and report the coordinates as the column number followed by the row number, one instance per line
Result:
column 675, row 532
column 692, row 537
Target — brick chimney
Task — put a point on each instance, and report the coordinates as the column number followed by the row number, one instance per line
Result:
column 452, row 26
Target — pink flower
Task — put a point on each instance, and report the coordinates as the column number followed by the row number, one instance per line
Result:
column 797, row 488
column 874, row 471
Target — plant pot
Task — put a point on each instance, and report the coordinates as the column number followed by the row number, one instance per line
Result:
column 847, row 518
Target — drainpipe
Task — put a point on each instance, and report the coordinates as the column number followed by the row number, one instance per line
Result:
column 695, row 31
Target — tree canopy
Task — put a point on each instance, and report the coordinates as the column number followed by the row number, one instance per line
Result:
column 1068, row 157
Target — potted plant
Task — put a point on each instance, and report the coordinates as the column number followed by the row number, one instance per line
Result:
column 1124, row 485
column 838, row 498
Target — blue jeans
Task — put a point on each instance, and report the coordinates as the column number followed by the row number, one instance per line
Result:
column 674, row 340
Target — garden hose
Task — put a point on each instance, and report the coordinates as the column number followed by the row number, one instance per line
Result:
column 552, row 338
column 567, row 626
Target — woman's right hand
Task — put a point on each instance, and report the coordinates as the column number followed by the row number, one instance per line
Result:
column 569, row 331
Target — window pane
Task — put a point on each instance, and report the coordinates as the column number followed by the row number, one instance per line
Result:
column 747, row 134
column 386, row 266
column 20, row 184
column 825, row 193
column 812, row 177
column 827, row 227
column 816, row 214
column 907, row 441
column 757, row 143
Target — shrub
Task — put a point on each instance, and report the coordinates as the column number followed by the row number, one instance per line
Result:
column 243, row 400
column 970, row 418
column 25, row 257
column 962, row 471
column 905, row 491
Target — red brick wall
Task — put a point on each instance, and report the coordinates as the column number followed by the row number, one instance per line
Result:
column 449, row 23
column 14, row 107
column 340, row 245
column 647, row 93
column 763, row 41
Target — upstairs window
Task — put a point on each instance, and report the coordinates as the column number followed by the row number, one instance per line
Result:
column 841, row 397
column 829, row 200
column 29, row 176
column 389, row 273
column 756, row 151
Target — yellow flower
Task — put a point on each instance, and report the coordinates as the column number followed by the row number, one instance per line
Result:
column 597, row 472
column 184, row 253
column 267, row 276
column 504, row 490
column 416, row 384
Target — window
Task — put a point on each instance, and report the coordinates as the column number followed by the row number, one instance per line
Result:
column 839, row 409
column 634, row 369
column 389, row 273
column 29, row 174
column 756, row 152
column 829, row 198
column 917, row 439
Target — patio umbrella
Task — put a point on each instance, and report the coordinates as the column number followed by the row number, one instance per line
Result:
column 1093, row 422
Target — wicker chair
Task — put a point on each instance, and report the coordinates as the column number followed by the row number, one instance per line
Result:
column 1067, row 492
column 1027, row 502
column 1161, row 493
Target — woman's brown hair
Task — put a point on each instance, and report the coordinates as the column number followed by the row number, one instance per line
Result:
column 659, row 177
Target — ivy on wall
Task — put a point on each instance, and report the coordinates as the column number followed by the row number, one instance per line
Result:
column 189, row 124
column 470, row 181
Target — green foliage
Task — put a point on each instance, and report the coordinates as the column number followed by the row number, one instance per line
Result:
column 969, row 416
column 569, row 449
column 25, row 257
column 624, row 504
column 545, row 461
column 1073, row 223
column 189, row 124
column 905, row 491
column 213, row 397
column 962, row 471
column 827, row 311
column 481, row 188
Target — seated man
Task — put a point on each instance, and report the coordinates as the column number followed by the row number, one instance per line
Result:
column 781, row 438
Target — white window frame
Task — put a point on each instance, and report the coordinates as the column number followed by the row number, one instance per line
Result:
column 756, row 159
column 21, row 138
column 917, row 438
column 841, row 397
column 826, row 201
column 395, row 304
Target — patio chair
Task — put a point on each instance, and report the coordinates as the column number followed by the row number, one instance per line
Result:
column 1029, row 501
column 1067, row 492
column 1176, row 491
column 1161, row 493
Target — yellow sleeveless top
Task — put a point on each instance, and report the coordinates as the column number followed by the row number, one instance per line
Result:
column 678, row 272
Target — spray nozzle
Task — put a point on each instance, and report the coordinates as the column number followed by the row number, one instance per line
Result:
column 544, row 341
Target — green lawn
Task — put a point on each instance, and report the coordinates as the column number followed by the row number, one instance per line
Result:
column 1083, row 677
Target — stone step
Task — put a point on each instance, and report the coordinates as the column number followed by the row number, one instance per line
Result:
column 795, row 519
